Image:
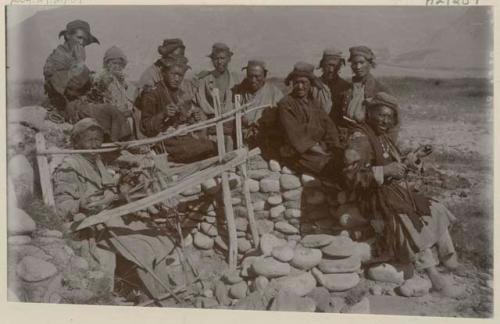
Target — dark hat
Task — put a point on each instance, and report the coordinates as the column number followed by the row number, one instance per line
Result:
column 364, row 51
column 83, row 125
column 80, row 24
column 220, row 47
column 254, row 62
column 303, row 69
column 384, row 99
column 170, row 45
column 178, row 60
column 331, row 53
column 114, row 52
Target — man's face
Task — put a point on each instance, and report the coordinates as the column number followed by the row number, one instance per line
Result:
column 174, row 76
column 79, row 36
column 381, row 119
column 301, row 86
column 256, row 77
column 115, row 66
column 90, row 139
column 220, row 61
column 360, row 66
column 331, row 67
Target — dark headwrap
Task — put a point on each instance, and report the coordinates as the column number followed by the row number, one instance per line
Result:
column 364, row 51
column 179, row 60
column 220, row 47
column 252, row 63
column 170, row 45
column 83, row 125
column 79, row 24
column 331, row 53
column 113, row 53
column 387, row 100
column 303, row 69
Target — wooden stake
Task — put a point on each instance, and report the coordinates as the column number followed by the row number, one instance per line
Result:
column 226, row 190
column 43, row 167
column 243, row 169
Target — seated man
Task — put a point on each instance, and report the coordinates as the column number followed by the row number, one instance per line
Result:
column 408, row 224
column 84, row 186
column 257, row 91
column 311, row 137
column 168, row 106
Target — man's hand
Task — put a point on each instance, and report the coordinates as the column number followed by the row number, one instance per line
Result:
column 78, row 52
column 395, row 170
column 93, row 204
column 197, row 115
column 171, row 110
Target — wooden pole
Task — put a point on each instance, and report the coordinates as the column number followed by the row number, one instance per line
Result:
column 44, row 170
column 226, row 190
column 243, row 169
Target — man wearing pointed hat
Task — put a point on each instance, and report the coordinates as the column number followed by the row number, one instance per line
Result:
column 167, row 106
column 255, row 90
column 67, row 61
column 312, row 141
column 330, row 65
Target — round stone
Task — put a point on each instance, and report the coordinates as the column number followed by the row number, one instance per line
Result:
column 264, row 226
column 277, row 211
column 268, row 242
column 269, row 185
column 208, row 229
column 322, row 298
column 289, row 182
column 235, row 201
column 286, row 170
column 253, row 185
column 274, row 200
column 293, row 195
column 259, row 205
column 192, row 191
column 301, row 284
column 285, row 228
column 258, row 174
column 316, row 240
column 385, row 272
column 274, row 166
column 292, row 204
column 283, row 253
column 336, row 281
column 241, row 224
column 260, row 283
column 18, row 240
column 340, row 247
column 244, row 245
column 305, row 258
column 346, row 265
column 203, row 241
column 232, row 277
column 293, row 213
column 270, row 268
column 239, row 290
column 32, row 269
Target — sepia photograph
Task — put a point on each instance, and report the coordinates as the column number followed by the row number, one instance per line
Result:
column 331, row 159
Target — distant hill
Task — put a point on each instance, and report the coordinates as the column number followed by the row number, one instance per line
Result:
column 413, row 37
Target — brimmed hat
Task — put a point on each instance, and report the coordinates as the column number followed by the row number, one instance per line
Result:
column 170, row 45
column 83, row 125
column 80, row 24
column 331, row 53
column 384, row 99
column 220, row 47
column 179, row 60
column 364, row 51
column 255, row 62
column 303, row 69
column 113, row 53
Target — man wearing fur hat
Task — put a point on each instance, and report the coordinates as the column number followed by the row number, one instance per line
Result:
column 311, row 137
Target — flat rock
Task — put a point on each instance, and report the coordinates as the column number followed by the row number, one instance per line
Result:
column 253, row 185
column 239, row 290
column 288, row 301
column 19, row 222
column 301, row 284
column 257, row 163
column 289, row 182
column 305, row 258
column 274, row 166
column 286, row 170
column 32, row 269
column 293, row 213
column 346, row 265
column 336, row 281
column 322, row 298
column 283, row 253
column 264, row 226
column 263, row 214
column 415, row 287
column 260, row 283
column 195, row 190
column 203, row 241
column 317, row 240
column 315, row 197
column 258, row 174
column 268, row 242
column 386, row 272
column 274, row 200
column 277, row 211
column 285, row 228
column 18, row 240
column 241, row 224
column 270, row 268
column 259, row 205
column 244, row 245
column 293, row 195
column 269, row 185
column 340, row 247
column 208, row 229
column 293, row 204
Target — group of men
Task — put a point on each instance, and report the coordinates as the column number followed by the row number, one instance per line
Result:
column 344, row 132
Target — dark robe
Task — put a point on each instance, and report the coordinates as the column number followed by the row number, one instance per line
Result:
column 153, row 106
column 304, row 125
